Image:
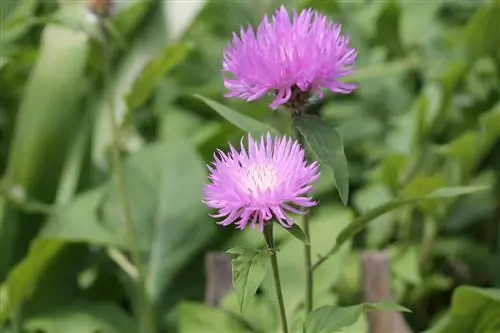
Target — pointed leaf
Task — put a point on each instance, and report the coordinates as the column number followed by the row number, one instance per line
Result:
column 297, row 232
column 333, row 318
column 249, row 268
column 245, row 123
column 327, row 144
column 362, row 221
column 358, row 224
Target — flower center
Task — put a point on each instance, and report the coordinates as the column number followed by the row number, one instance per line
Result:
column 258, row 178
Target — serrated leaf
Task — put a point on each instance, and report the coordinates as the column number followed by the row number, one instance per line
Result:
column 154, row 71
column 327, row 144
column 249, row 267
column 297, row 232
column 245, row 123
column 333, row 318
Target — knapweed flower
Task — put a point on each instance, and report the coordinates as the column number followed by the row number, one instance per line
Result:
column 265, row 182
column 292, row 58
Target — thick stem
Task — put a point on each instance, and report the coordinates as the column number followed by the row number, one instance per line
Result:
column 146, row 312
column 268, row 235
column 307, row 252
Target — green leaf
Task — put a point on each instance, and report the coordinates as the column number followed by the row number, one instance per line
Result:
column 23, row 277
column 333, row 318
column 482, row 31
column 195, row 317
column 18, row 22
column 473, row 310
column 85, row 318
column 362, row 221
column 48, row 112
column 239, row 120
column 3, row 61
column 249, row 268
column 326, row 143
column 297, row 232
column 154, row 72
column 171, row 223
column 79, row 222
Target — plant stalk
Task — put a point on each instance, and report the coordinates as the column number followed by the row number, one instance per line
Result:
column 268, row 235
column 145, row 313
column 307, row 251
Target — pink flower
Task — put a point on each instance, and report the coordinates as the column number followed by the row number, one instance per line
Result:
column 294, row 59
column 260, row 184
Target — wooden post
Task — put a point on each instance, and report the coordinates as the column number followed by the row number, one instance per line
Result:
column 219, row 277
column 376, row 288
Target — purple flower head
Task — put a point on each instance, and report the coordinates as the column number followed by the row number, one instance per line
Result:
column 260, row 184
column 293, row 58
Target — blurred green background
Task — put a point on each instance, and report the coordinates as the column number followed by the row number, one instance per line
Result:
column 426, row 115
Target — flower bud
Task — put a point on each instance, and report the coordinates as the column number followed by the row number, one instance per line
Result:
column 100, row 8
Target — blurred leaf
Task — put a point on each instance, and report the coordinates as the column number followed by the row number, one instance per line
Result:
column 388, row 28
column 48, row 110
column 470, row 147
column 24, row 276
column 18, row 22
column 249, row 268
column 419, row 23
column 78, row 221
column 154, row 71
column 326, row 143
column 333, row 318
column 421, row 186
column 392, row 169
column 195, row 317
column 360, row 223
column 382, row 227
column 297, row 232
column 3, row 61
column 180, row 16
column 148, row 43
column 241, row 121
column 102, row 318
column 473, row 310
column 128, row 14
column 482, row 32
column 405, row 266
column 163, row 186
column 260, row 313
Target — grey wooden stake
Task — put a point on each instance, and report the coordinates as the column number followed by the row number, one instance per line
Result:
column 376, row 288
column 219, row 277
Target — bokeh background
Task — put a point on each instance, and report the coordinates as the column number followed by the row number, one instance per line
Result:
column 426, row 115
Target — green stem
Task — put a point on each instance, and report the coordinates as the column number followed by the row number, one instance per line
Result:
column 307, row 252
column 145, row 309
column 309, row 270
column 268, row 235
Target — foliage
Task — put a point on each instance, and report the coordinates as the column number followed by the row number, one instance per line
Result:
column 425, row 123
